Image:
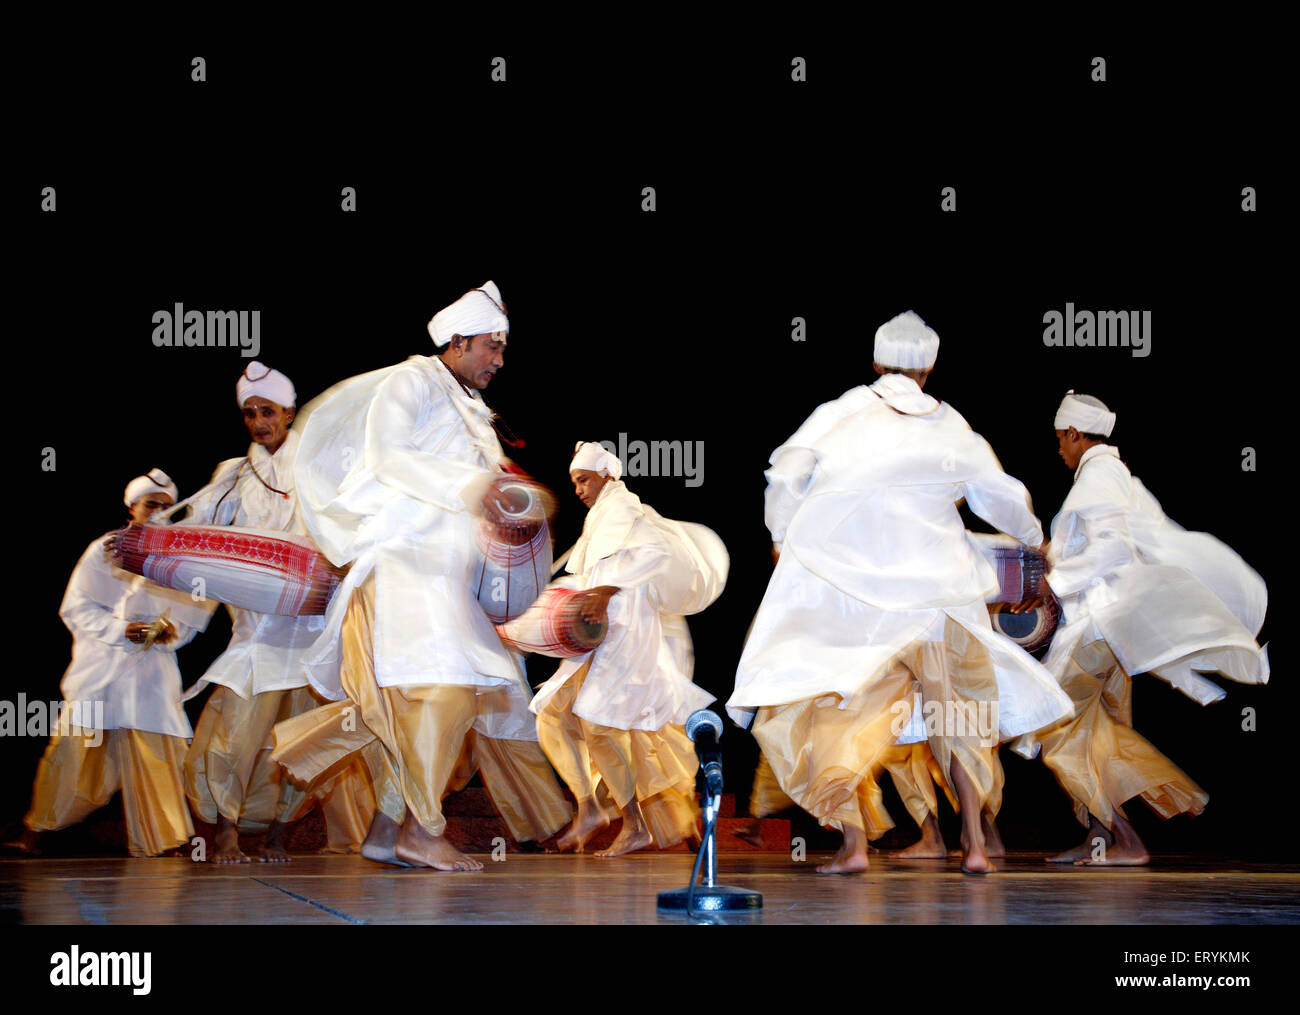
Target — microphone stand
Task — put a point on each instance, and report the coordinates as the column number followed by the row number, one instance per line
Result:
column 709, row 897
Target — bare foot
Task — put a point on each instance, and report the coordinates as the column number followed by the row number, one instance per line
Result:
column 852, row 856
column 1115, row 857
column 929, row 847
column 25, row 845
column 976, row 861
column 227, row 843
column 381, row 841
column 634, row 834
column 750, row 832
column 589, row 820
column 1096, row 830
column 1127, row 850
column 629, row 840
column 273, row 850
column 420, row 849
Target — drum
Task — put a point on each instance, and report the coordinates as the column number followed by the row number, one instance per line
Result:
column 1021, row 574
column 253, row 570
column 553, row 626
column 514, row 544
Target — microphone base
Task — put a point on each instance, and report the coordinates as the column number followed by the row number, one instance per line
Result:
column 715, row 899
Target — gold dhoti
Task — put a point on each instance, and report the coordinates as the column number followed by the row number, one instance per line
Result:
column 75, row 778
column 1099, row 759
column 654, row 767
column 416, row 742
column 229, row 771
column 826, row 757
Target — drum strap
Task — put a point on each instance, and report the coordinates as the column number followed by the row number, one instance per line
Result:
column 560, row 561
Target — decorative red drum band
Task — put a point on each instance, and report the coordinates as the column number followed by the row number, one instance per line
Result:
column 514, row 543
column 246, row 568
column 553, row 626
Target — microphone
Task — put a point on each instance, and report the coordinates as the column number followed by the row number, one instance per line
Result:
column 704, row 728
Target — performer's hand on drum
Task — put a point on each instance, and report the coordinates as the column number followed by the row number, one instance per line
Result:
column 596, row 601
column 1026, row 605
column 137, row 631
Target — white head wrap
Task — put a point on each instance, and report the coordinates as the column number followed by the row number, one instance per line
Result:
column 906, row 343
column 1085, row 413
column 263, row 382
column 153, row 481
column 480, row 311
column 596, row 458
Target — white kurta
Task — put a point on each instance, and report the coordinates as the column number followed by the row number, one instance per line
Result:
column 863, row 502
column 641, row 673
column 1167, row 601
column 140, row 688
column 266, row 650
column 390, row 466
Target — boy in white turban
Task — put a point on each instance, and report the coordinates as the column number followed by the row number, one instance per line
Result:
column 392, row 471
column 878, row 593
column 229, row 775
column 122, row 725
column 613, row 719
column 1138, row 594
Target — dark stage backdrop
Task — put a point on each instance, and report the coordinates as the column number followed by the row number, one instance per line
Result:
column 774, row 200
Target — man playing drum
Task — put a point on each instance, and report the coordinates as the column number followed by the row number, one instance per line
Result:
column 877, row 593
column 1139, row 594
column 392, row 471
column 122, row 724
column 613, row 718
column 229, row 775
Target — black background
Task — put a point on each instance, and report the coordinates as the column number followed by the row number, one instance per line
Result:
column 775, row 200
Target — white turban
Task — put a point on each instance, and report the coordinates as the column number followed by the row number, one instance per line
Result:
column 263, row 382
column 906, row 343
column 1085, row 413
column 480, row 311
column 596, row 458
column 153, row 481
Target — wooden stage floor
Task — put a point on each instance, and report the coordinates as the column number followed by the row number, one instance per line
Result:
column 553, row 889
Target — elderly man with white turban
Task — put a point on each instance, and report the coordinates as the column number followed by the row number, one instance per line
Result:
column 878, row 593
column 1138, row 594
column 122, row 725
column 393, row 468
column 612, row 719
column 230, row 778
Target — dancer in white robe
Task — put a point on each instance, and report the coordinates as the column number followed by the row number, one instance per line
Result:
column 1139, row 594
column 614, row 717
column 122, row 725
column 392, row 469
column 230, row 778
column 877, row 593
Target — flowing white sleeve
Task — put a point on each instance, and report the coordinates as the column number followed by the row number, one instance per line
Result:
column 83, row 614
column 788, row 481
column 1106, row 547
column 395, row 459
column 1001, row 500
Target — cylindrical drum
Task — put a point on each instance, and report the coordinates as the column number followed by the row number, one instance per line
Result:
column 553, row 626
column 254, row 570
column 514, row 544
column 1021, row 573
